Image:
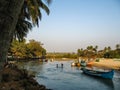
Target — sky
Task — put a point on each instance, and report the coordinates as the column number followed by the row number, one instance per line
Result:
column 74, row 24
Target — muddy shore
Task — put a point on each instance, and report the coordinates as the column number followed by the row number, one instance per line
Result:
column 13, row 78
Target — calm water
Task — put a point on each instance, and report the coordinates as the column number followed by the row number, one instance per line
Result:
column 68, row 78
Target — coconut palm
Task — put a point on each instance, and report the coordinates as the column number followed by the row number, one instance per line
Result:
column 22, row 28
column 105, row 49
column 95, row 50
column 96, row 47
column 90, row 48
column 9, row 13
column 29, row 16
column 109, row 48
column 117, row 46
column 13, row 11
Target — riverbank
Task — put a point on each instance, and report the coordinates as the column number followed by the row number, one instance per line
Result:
column 107, row 63
column 13, row 78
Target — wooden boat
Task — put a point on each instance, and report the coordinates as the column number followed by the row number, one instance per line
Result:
column 83, row 63
column 104, row 74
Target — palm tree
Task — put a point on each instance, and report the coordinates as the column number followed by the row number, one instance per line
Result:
column 22, row 28
column 95, row 50
column 117, row 46
column 109, row 48
column 96, row 47
column 29, row 17
column 80, row 52
column 105, row 49
column 11, row 11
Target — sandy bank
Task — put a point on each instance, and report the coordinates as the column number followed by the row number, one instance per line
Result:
column 107, row 63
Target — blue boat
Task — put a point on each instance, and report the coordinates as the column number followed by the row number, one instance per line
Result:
column 103, row 74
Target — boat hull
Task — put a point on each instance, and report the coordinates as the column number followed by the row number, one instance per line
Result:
column 108, row 74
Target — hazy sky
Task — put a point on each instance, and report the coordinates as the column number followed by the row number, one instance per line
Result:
column 74, row 24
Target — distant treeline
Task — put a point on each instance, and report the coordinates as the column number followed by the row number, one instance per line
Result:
column 34, row 49
column 89, row 52
column 92, row 52
column 61, row 55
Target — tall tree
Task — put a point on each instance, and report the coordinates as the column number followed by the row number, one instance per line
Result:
column 34, row 48
column 96, row 47
column 117, row 46
column 105, row 49
column 11, row 11
column 109, row 48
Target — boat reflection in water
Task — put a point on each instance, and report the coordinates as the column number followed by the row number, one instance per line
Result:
column 108, row 83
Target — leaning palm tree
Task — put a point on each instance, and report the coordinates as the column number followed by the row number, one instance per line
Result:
column 13, row 11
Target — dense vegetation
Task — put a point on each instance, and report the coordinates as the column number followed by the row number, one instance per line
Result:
column 92, row 52
column 61, row 55
column 35, row 49
column 89, row 52
column 17, row 17
column 26, row 50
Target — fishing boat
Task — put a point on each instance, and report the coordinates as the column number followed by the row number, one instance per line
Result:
column 83, row 63
column 104, row 73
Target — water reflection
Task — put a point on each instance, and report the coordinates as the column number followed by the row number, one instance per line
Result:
column 108, row 83
column 69, row 78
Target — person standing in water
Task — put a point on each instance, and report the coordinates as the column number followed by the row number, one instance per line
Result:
column 56, row 65
column 62, row 65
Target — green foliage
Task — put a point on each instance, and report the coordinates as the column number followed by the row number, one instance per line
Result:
column 34, row 49
column 97, row 60
column 80, row 52
column 23, row 49
column 91, row 51
column 30, row 16
column 18, row 49
column 61, row 55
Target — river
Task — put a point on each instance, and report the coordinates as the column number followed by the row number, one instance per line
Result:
column 68, row 78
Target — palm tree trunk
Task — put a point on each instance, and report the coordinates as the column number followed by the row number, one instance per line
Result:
column 9, row 12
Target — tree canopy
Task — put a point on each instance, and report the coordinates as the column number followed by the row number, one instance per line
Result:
column 30, row 16
column 17, row 17
column 92, row 52
column 25, row 50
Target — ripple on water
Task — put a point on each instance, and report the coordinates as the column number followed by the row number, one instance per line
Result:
column 42, row 77
column 71, row 78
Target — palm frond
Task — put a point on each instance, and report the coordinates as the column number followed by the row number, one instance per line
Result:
column 30, row 16
column 22, row 28
column 43, row 6
column 48, row 1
